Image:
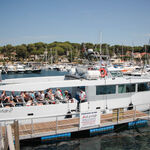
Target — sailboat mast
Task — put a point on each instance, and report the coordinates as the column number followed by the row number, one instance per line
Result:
column 132, row 61
column 51, row 55
column 46, row 58
column 100, row 49
column 122, row 51
column 145, row 55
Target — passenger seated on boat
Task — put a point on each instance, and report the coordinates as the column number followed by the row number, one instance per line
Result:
column 48, row 99
column 12, row 96
column 26, row 96
column 32, row 94
column 8, row 103
column 13, row 104
column 29, row 102
column 19, row 102
column 51, row 95
column 68, row 96
column 40, row 96
column 22, row 95
column 1, row 100
column 3, row 95
column 37, row 98
column 58, row 94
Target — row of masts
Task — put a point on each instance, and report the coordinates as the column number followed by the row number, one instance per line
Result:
column 49, row 59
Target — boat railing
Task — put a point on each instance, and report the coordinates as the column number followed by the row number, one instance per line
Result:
column 36, row 102
column 32, row 126
column 126, row 114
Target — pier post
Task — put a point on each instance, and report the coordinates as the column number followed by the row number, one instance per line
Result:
column 56, row 124
column 1, row 139
column 134, row 117
column 16, row 134
column 149, row 112
column 10, row 137
column 32, row 126
column 118, row 112
column 5, row 139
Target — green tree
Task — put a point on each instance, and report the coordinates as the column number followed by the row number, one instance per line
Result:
column 60, row 51
column 31, row 48
column 21, row 52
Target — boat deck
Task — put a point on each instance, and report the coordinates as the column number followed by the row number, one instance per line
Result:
column 34, row 130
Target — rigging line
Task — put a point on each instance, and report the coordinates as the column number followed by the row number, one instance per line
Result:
column 106, row 93
column 130, row 85
column 130, row 92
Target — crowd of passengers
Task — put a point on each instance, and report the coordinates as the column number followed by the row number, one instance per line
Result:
column 39, row 98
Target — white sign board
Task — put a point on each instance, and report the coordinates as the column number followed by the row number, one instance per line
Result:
column 89, row 119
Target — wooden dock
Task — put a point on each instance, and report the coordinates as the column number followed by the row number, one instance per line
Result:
column 36, row 130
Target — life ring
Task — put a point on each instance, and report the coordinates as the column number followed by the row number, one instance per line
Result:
column 103, row 72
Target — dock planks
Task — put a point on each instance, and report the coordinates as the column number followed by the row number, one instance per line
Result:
column 72, row 124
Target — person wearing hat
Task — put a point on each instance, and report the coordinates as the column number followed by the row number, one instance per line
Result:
column 68, row 96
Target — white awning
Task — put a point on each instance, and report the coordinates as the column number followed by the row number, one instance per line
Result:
column 39, row 84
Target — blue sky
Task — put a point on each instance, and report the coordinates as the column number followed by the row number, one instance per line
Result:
column 124, row 22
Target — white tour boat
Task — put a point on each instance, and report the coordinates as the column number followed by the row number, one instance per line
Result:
column 103, row 92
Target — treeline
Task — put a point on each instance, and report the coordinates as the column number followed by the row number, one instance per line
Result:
column 66, row 49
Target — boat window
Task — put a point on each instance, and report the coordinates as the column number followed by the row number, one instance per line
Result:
column 116, row 74
column 126, row 88
column 143, row 86
column 108, row 89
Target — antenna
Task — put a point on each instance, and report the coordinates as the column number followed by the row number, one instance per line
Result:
column 122, row 51
column 100, row 43
column 71, row 54
column 145, row 55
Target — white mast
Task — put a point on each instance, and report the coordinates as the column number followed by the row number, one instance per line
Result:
column 51, row 55
column 145, row 56
column 122, row 51
column 100, row 49
column 132, row 60
column 46, row 60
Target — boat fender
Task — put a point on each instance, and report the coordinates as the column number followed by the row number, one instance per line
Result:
column 103, row 72
column 130, row 107
column 69, row 115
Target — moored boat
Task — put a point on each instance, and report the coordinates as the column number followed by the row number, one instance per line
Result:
column 102, row 92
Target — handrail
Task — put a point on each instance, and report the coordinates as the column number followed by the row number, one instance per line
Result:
column 76, row 113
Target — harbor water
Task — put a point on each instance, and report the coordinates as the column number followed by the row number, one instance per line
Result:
column 135, row 139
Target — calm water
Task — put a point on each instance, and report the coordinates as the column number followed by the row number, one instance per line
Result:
column 126, row 140
column 43, row 73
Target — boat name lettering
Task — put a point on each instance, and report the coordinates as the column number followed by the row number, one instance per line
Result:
column 4, row 110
